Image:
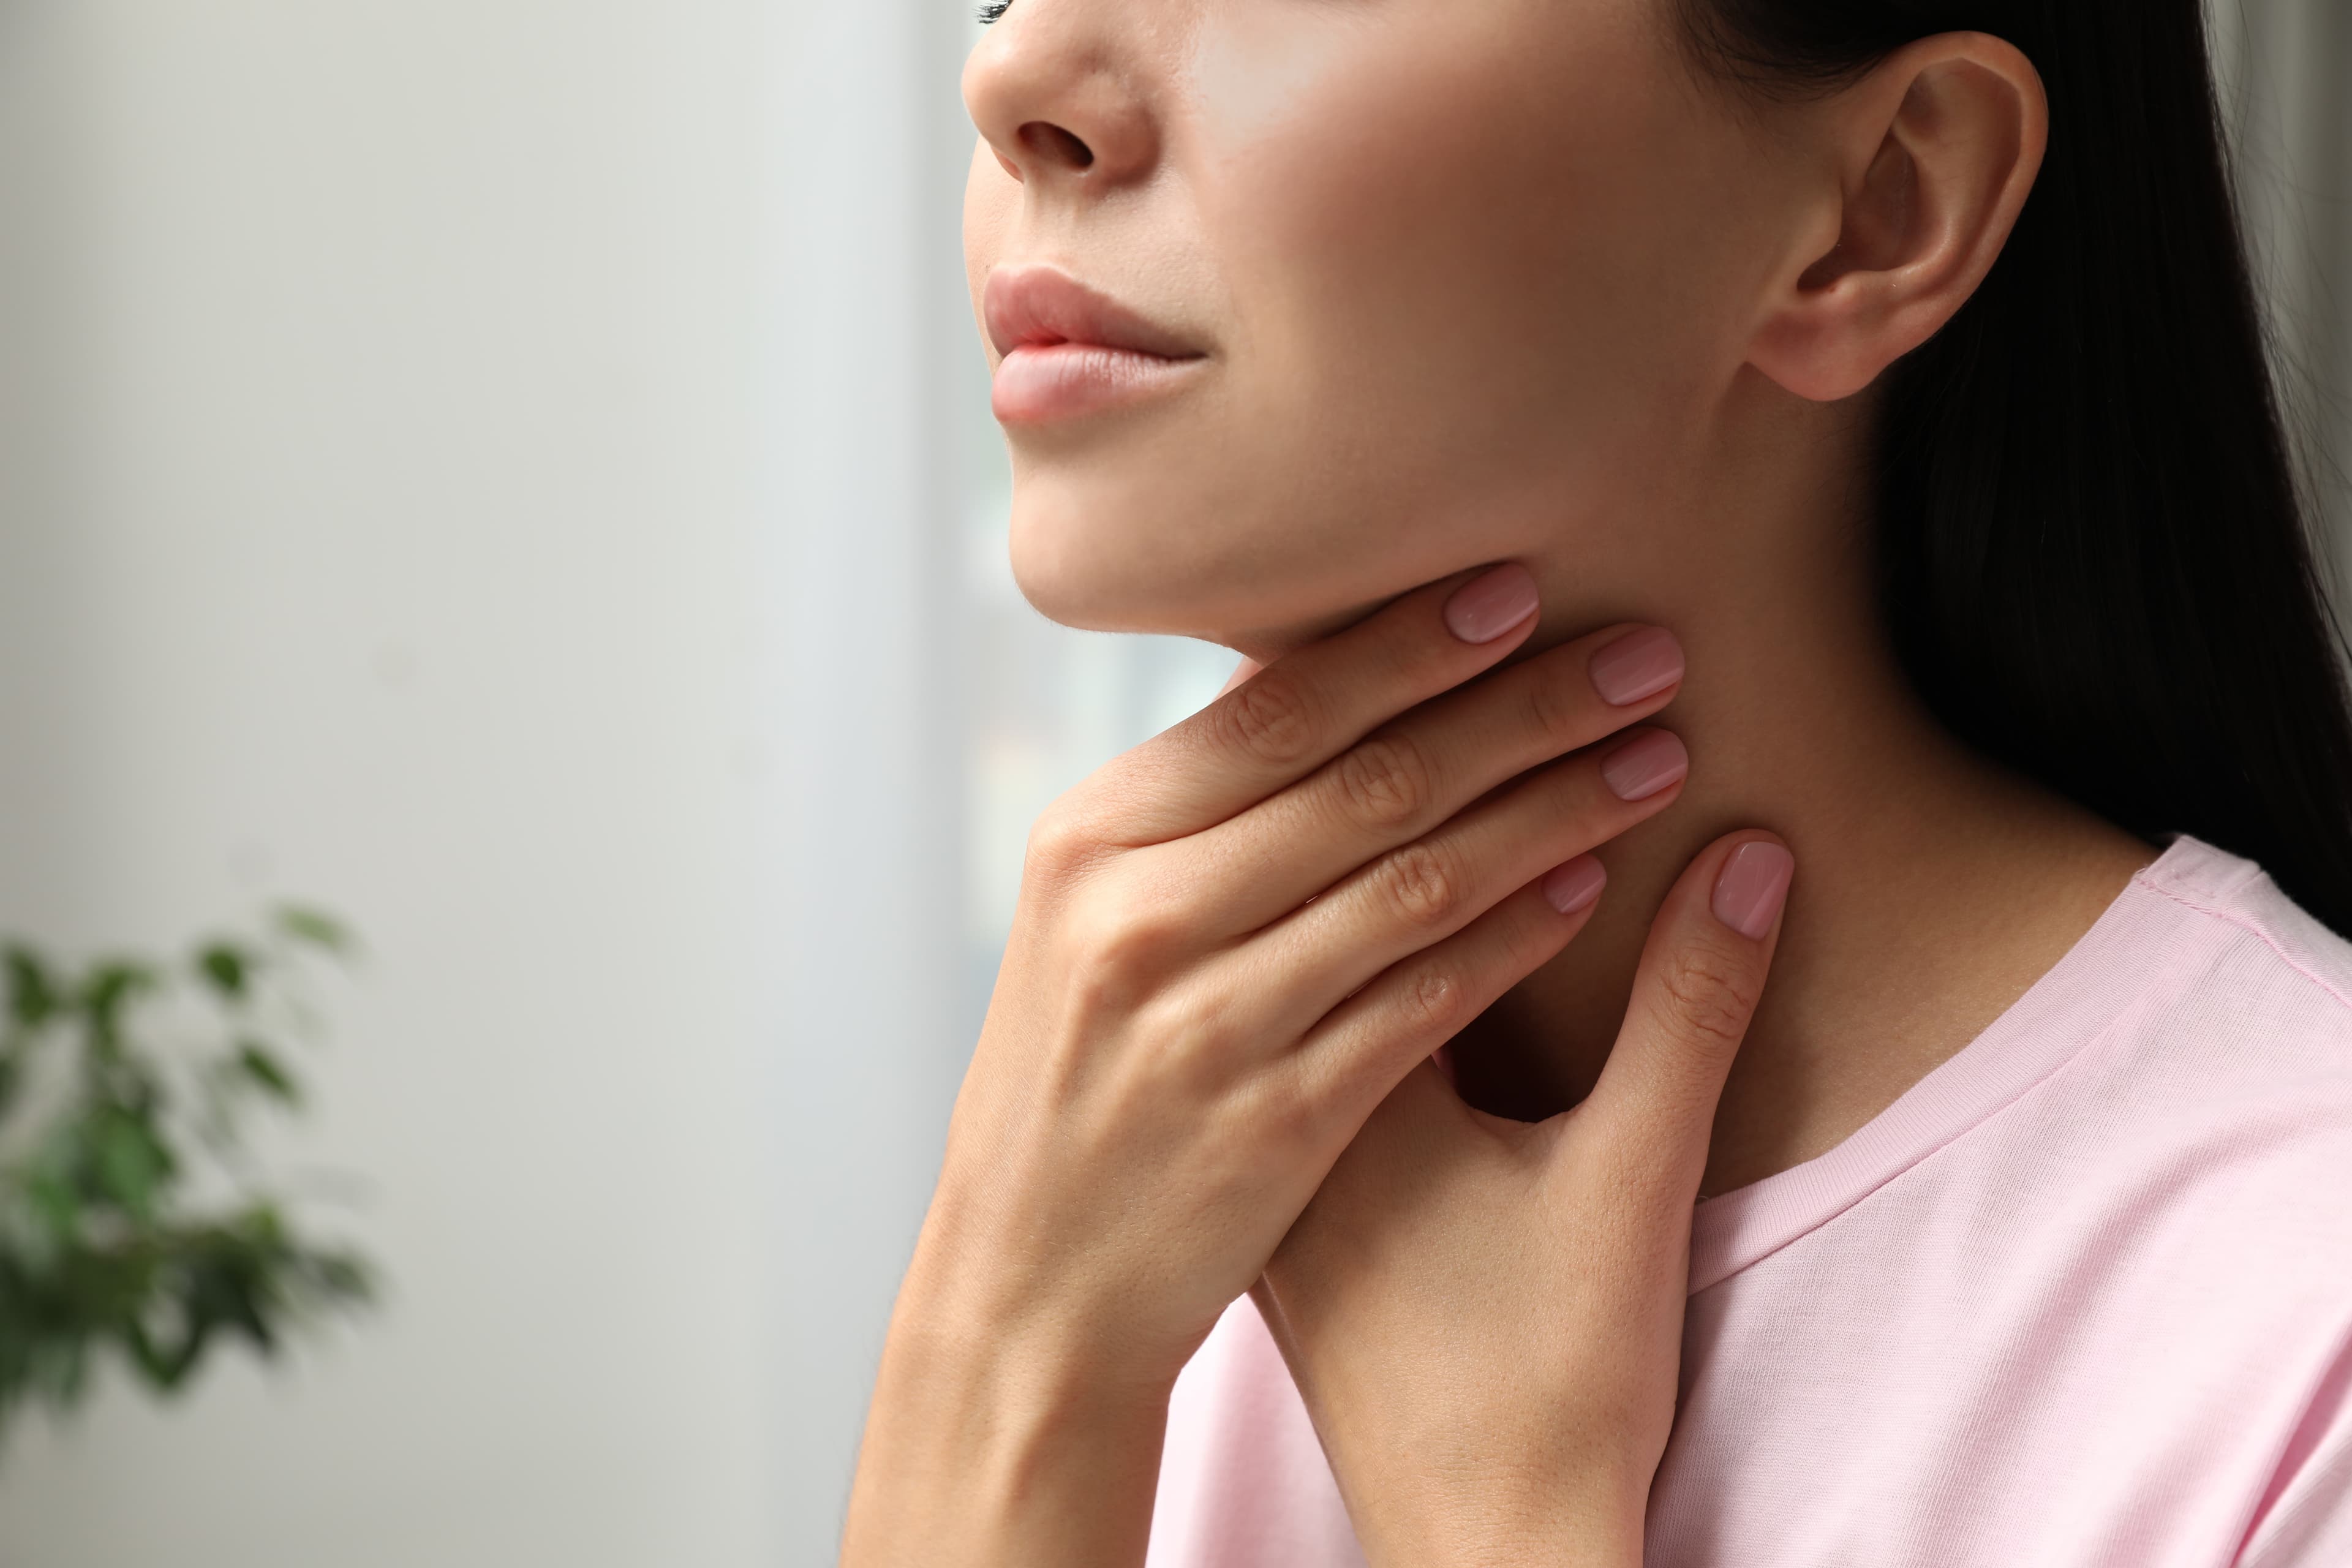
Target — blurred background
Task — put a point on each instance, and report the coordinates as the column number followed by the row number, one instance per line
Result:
column 517, row 474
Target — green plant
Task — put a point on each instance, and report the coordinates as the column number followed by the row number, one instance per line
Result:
column 131, row 1216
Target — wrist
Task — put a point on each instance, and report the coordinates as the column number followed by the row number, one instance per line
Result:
column 961, row 1357
column 1551, row 1544
column 990, row 1435
column 972, row 1311
column 1504, row 1520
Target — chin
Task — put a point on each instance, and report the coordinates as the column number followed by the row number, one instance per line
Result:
column 1093, row 570
column 1261, row 570
column 1147, row 558
column 1092, row 585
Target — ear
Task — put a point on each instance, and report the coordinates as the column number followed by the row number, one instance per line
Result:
column 1930, row 159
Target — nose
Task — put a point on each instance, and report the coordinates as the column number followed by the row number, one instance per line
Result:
column 1054, row 90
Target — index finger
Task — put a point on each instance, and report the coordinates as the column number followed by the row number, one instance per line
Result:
column 1271, row 728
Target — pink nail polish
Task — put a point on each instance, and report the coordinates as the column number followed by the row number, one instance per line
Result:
column 1652, row 760
column 1570, row 887
column 1488, row 606
column 1636, row 666
column 1753, row 886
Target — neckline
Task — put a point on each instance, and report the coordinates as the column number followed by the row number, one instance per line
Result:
column 2076, row 1002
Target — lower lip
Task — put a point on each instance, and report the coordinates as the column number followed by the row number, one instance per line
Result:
column 1040, row 383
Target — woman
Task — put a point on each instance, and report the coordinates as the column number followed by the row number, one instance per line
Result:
column 1700, row 485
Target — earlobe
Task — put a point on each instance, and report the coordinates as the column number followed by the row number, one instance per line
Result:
column 1934, row 153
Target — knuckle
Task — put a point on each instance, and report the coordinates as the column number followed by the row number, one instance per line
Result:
column 1574, row 784
column 1526, row 946
column 1554, row 712
column 1270, row 719
column 1284, row 1111
column 1434, row 1002
column 1387, row 782
column 1196, row 1034
column 1062, row 840
column 1129, row 940
column 1710, row 994
column 1109, row 979
column 1420, row 885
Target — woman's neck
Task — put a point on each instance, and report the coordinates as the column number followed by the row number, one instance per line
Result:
column 1933, row 889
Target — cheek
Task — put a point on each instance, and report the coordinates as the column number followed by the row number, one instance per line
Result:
column 1468, row 252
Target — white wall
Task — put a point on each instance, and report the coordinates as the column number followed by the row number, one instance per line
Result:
column 2285, row 70
column 463, row 461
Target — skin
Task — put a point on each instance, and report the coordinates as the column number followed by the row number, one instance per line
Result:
column 1501, row 280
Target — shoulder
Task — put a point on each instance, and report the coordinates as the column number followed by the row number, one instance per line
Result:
column 2241, row 966
column 2210, row 1120
column 2200, row 1094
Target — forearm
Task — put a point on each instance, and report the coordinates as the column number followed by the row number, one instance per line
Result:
column 982, row 1451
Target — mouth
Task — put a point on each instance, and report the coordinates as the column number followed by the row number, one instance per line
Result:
column 1067, row 350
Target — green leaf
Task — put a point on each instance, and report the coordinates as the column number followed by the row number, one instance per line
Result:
column 54, row 1203
column 228, row 969
column 314, row 928
column 342, row 1277
column 269, row 1073
column 33, row 996
column 132, row 1162
column 109, row 988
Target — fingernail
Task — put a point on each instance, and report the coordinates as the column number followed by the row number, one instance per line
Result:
column 1650, row 762
column 1485, row 607
column 1570, row 887
column 1636, row 666
column 1753, row 886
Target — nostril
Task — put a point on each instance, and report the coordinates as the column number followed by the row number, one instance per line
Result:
column 1051, row 141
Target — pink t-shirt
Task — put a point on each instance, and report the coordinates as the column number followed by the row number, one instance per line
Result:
column 2082, row 1297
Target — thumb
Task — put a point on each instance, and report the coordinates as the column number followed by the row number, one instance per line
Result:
column 1242, row 675
column 1701, row 975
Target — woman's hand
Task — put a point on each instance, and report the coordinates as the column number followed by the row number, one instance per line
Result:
column 1232, row 943
column 1484, row 1317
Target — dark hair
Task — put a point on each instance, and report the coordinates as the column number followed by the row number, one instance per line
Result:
column 2094, row 559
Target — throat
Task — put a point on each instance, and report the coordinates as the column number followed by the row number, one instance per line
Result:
column 1540, row 1048
column 1908, row 934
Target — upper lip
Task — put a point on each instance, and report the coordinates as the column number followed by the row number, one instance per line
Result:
column 1037, row 307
